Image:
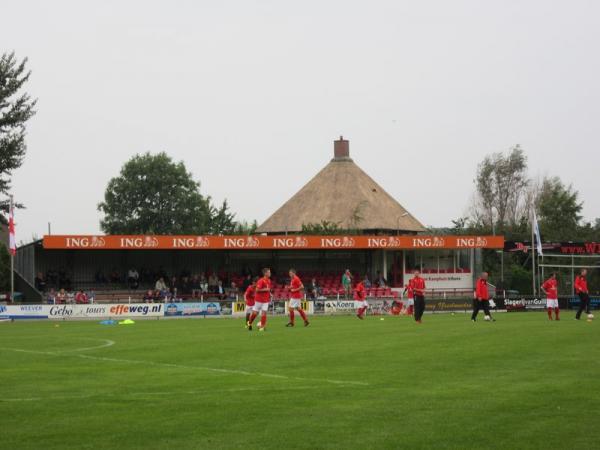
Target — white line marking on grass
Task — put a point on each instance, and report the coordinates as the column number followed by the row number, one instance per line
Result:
column 109, row 343
column 227, row 371
column 157, row 394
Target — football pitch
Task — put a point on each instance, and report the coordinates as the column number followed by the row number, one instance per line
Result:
column 519, row 383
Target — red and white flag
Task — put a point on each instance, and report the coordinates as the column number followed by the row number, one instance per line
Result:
column 11, row 231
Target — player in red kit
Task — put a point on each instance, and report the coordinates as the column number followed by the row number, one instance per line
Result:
column 261, row 300
column 361, row 300
column 581, row 289
column 410, row 298
column 418, row 286
column 249, row 299
column 550, row 288
column 296, row 288
column 482, row 298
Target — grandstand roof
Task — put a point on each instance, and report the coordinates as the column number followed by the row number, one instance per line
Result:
column 344, row 194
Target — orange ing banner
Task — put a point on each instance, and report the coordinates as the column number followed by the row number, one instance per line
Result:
column 289, row 242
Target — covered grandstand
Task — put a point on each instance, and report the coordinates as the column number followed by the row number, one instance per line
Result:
column 383, row 241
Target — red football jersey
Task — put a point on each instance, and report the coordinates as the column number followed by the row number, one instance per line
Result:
column 361, row 292
column 249, row 295
column 409, row 290
column 263, row 297
column 481, row 290
column 296, row 283
column 418, row 285
column 551, row 288
column 581, row 284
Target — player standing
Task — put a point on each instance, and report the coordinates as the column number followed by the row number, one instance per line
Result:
column 418, row 286
column 581, row 289
column 261, row 300
column 296, row 288
column 361, row 299
column 482, row 298
column 550, row 288
column 410, row 299
column 249, row 299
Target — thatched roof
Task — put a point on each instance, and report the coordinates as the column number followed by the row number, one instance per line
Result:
column 344, row 194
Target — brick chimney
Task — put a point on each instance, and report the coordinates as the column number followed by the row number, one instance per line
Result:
column 341, row 149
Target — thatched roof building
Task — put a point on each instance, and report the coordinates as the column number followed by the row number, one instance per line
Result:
column 342, row 193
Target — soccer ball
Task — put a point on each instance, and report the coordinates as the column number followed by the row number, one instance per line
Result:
column 590, row 316
column 488, row 318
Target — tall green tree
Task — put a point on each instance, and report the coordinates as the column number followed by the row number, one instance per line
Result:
column 501, row 187
column 222, row 220
column 559, row 209
column 4, row 269
column 155, row 195
column 16, row 108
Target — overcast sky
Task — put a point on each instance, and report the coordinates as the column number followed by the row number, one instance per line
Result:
column 251, row 94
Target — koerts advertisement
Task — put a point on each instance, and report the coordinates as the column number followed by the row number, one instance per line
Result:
column 335, row 306
column 192, row 309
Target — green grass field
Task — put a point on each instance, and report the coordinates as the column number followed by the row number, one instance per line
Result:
column 521, row 382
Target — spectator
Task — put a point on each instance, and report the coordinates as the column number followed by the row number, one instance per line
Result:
column 314, row 291
column 347, row 283
column 149, row 296
column 232, row 292
column 367, row 282
column 174, row 286
column 51, row 298
column 195, row 286
column 145, row 275
column 61, row 297
column 380, row 281
column 81, row 297
column 40, row 282
column 220, row 290
column 213, row 283
column 185, row 287
column 247, row 282
column 100, row 277
column 203, row 283
column 63, row 279
column 133, row 278
column 52, row 277
column 161, row 288
column 91, row 296
column 114, row 276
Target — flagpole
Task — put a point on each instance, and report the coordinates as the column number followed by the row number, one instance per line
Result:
column 12, row 260
column 532, row 256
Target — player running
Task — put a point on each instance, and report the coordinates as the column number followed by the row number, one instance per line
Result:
column 550, row 288
column 296, row 288
column 249, row 299
column 361, row 300
column 261, row 300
